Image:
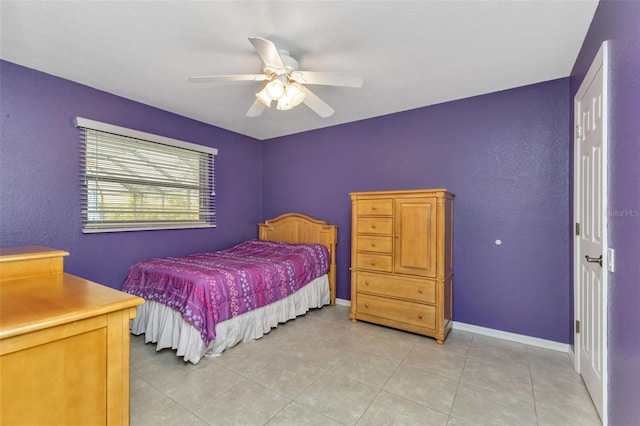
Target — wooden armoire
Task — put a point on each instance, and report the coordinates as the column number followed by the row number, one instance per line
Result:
column 402, row 260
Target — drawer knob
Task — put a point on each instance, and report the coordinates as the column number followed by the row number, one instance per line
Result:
column 420, row 290
column 373, row 226
column 373, row 262
column 366, row 305
column 366, row 282
column 373, row 244
column 373, row 208
column 420, row 316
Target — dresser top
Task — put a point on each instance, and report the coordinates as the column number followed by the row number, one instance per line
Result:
column 49, row 297
column 12, row 254
column 404, row 192
column 32, row 304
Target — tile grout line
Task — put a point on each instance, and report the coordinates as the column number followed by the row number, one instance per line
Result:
column 533, row 391
column 163, row 393
column 384, row 384
column 466, row 358
column 293, row 400
column 448, row 414
column 324, row 371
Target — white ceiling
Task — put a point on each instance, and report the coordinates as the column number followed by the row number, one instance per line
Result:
column 410, row 53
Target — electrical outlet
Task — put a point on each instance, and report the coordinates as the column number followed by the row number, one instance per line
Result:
column 611, row 260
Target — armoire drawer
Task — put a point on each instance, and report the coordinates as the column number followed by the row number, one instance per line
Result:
column 373, row 225
column 421, row 291
column 396, row 310
column 383, row 207
column 378, row 244
column 375, row 262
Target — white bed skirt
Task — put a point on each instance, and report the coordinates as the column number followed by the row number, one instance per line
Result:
column 165, row 326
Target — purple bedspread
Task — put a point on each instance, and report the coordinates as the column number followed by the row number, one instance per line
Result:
column 209, row 288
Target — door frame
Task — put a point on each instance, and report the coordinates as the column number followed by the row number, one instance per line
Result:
column 601, row 60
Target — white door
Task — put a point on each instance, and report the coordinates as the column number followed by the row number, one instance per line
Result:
column 590, row 257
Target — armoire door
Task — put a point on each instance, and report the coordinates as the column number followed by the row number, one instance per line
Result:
column 415, row 236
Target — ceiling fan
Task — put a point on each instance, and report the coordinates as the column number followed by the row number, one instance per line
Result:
column 285, row 83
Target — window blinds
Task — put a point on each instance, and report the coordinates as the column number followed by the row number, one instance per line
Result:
column 138, row 181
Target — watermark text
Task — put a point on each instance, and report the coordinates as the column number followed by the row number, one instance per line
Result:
column 624, row 213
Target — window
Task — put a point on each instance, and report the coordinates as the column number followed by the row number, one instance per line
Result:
column 133, row 180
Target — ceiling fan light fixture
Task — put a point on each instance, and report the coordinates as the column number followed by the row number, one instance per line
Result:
column 284, row 104
column 292, row 97
column 295, row 95
column 263, row 97
column 275, row 88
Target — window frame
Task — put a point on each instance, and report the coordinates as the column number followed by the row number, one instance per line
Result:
column 89, row 226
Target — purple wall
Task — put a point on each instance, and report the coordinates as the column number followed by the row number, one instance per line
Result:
column 504, row 155
column 619, row 22
column 39, row 175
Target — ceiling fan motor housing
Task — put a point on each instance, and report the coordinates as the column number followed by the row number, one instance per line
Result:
column 290, row 64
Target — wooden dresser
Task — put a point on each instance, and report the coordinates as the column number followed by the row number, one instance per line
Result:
column 402, row 260
column 64, row 343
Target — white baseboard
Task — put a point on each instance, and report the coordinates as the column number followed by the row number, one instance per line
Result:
column 343, row 302
column 505, row 335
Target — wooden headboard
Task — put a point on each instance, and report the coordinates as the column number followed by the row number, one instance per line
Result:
column 298, row 228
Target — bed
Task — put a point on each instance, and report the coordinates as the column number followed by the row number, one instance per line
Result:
column 204, row 303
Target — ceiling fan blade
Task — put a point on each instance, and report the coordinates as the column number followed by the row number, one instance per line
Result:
column 256, row 109
column 344, row 79
column 315, row 103
column 240, row 77
column 268, row 53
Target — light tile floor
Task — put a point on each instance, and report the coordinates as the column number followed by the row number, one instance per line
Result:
column 321, row 369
